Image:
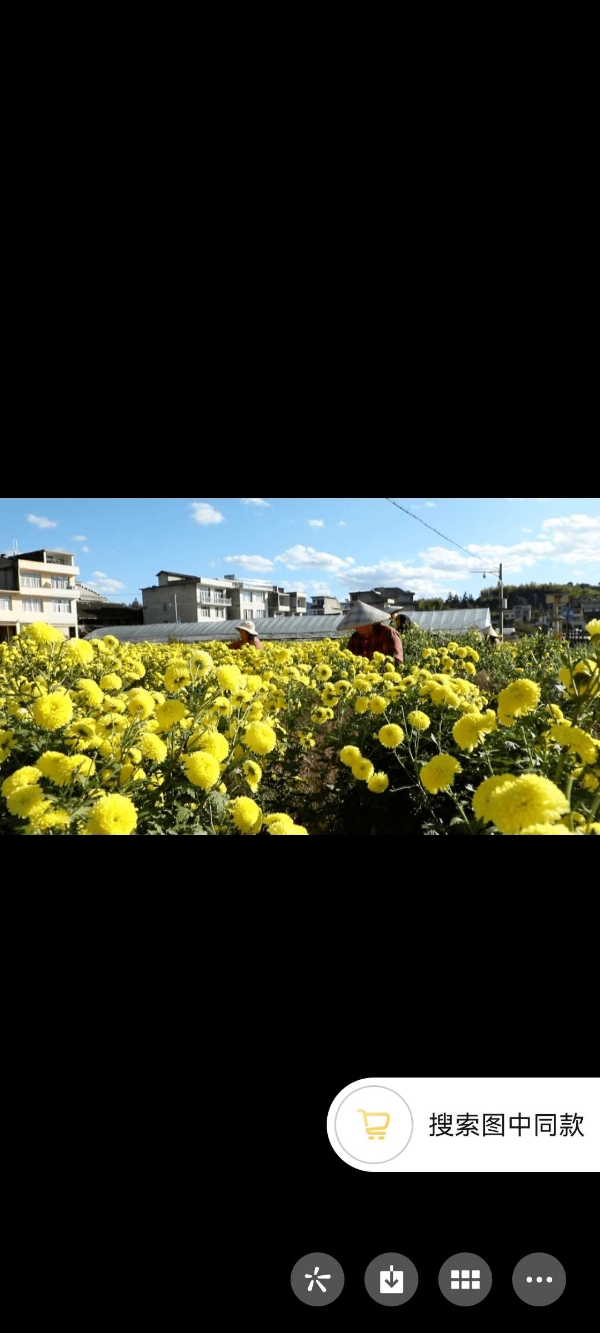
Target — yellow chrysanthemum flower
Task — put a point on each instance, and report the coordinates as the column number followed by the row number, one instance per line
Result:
column 378, row 783
column 593, row 628
column 247, row 815
column 140, row 703
column 111, row 681
column 79, row 651
column 279, row 817
column 577, row 740
column 391, row 736
column 349, row 754
column 439, row 774
column 252, row 774
column 520, row 697
column 468, row 731
column 24, row 800
column 202, row 770
column 55, row 710
column 527, row 800
column 213, row 742
column 260, row 738
column 420, row 721
column 89, row 692
column 46, row 816
column 169, row 714
column 151, row 747
column 377, row 705
column 230, row 679
column 177, row 677
column 7, row 740
column 24, row 777
column 483, row 796
column 112, row 816
column 42, row 633
column 362, row 769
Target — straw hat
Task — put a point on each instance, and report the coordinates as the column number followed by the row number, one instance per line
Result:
column 490, row 633
column 361, row 614
column 249, row 626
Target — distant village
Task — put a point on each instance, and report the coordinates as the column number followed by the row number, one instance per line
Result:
column 43, row 585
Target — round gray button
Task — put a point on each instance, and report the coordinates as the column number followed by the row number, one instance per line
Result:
column 539, row 1279
column 465, row 1279
column 391, row 1279
column 317, row 1279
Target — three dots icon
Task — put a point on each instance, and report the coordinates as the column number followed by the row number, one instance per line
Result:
column 539, row 1279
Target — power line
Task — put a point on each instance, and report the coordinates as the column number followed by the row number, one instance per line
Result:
column 437, row 531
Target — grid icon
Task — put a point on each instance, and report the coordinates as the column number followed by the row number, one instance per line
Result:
column 465, row 1279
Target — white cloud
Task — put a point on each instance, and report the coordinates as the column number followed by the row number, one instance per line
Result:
column 86, row 549
column 41, row 522
column 341, row 524
column 79, row 539
column 576, row 538
column 258, row 562
column 526, row 529
column 256, row 502
column 430, row 504
column 321, row 589
column 316, row 523
column 101, row 583
column 204, row 513
column 306, row 557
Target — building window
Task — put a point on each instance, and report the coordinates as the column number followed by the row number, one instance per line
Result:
column 58, row 582
column 61, row 606
column 5, row 604
column 32, row 604
column 31, row 580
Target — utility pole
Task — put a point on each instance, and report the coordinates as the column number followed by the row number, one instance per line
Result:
column 499, row 572
column 176, row 614
column 501, row 606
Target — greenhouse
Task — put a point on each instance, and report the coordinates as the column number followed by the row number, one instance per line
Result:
column 451, row 622
column 225, row 631
column 305, row 628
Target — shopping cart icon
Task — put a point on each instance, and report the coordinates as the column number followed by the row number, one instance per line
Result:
column 375, row 1131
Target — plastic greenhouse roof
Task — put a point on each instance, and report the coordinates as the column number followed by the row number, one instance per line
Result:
column 453, row 622
column 276, row 627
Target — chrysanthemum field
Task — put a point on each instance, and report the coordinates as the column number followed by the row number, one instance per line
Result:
column 106, row 739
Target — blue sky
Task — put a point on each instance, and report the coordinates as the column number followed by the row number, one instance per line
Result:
column 318, row 545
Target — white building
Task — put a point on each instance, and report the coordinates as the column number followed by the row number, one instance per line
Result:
column 39, row 585
column 186, row 598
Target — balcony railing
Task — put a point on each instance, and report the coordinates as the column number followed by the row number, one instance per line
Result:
column 209, row 599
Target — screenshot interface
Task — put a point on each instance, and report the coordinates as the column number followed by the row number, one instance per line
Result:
column 426, row 1195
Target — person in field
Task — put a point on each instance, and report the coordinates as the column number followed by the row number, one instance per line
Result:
column 248, row 638
column 372, row 633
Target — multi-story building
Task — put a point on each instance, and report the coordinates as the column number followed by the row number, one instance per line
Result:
column 185, row 598
column 384, row 598
column 325, row 606
column 39, row 585
column 249, row 598
column 282, row 603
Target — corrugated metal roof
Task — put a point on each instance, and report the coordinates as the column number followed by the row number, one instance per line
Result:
column 225, row 631
column 286, row 627
column 451, row 622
